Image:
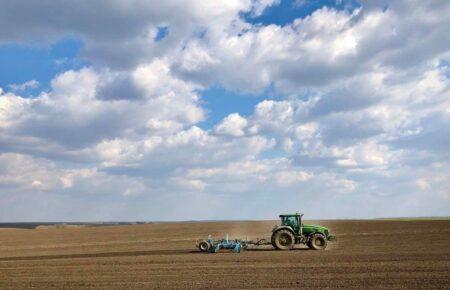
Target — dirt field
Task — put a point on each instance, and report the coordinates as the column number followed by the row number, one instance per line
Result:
column 367, row 254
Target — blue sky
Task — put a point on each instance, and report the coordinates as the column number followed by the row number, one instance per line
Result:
column 287, row 11
column 141, row 114
column 21, row 62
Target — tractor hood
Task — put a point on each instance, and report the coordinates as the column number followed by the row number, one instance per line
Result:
column 308, row 229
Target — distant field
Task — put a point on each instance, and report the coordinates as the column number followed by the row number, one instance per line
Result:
column 33, row 225
column 367, row 254
column 415, row 218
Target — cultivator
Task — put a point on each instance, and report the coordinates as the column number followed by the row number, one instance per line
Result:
column 237, row 245
column 291, row 232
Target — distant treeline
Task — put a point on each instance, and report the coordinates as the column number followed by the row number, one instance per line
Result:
column 33, row 225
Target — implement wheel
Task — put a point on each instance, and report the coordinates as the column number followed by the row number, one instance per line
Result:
column 283, row 240
column 317, row 242
column 204, row 246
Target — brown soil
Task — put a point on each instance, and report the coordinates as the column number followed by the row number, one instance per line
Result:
column 367, row 254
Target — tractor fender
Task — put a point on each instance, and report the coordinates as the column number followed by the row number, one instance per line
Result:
column 282, row 228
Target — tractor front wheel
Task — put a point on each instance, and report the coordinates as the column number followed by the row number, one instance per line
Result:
column 283, row 240
column 317, row 242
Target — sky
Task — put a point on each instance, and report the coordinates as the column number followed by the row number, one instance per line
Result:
column 127, row 110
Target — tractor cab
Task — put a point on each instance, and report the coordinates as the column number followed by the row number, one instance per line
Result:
column 293, row 221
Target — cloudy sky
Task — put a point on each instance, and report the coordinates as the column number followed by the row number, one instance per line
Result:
column 237, row 109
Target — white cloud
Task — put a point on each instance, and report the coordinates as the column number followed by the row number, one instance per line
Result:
column 11, row 108
column 259, row 6
column 27, row 174
column 288, row 177
column 322, row 48
column 123, row 36
column 233, row 125
column 31, row 84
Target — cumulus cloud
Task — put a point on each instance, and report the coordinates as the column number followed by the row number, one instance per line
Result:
column 320, row 49
column 124, row 34
column 233, row 125
column 353, row 120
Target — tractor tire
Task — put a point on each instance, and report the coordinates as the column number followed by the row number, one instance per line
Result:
column 283, row 240
column 317, row 242
column 272, row 240
column 204, row 246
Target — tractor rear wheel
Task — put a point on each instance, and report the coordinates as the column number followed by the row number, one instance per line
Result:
column 317, row 242
column 272, row 240
column 283, row 240
column 204, row 246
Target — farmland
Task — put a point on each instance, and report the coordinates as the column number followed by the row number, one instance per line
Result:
column 367, row 253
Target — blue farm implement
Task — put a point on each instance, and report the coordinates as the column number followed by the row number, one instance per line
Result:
column 213, row 246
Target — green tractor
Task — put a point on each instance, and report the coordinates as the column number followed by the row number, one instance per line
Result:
column 292, row 231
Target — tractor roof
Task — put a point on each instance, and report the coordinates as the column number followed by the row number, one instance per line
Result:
column 291, row 214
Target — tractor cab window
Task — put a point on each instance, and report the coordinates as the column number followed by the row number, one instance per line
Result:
column 290, row 221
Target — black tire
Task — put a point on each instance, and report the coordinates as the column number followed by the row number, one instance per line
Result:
column 283, row 240
column 204, row 246
column 317, row 242
column 272, row 240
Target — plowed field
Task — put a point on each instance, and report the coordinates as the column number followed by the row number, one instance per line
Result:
column 367, row 254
